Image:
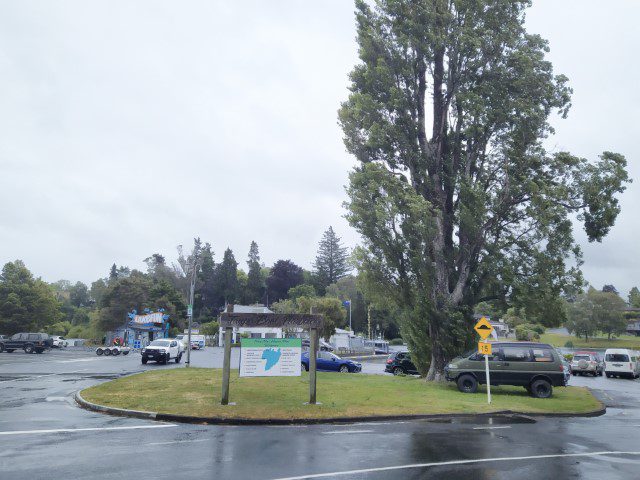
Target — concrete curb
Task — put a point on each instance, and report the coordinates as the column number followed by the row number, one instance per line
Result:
column 122, row 412
column 167, row 417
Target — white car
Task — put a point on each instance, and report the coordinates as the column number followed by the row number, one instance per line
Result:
column 162, row 351
column 59, row 342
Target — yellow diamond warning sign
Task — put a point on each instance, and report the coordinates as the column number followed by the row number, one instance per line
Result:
column 484, row 328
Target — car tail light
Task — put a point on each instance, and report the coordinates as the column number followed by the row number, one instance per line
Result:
column 389, row 360
column 561, row 367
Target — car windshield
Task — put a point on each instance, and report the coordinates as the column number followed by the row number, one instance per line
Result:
column 582, row 357
column 617, row 357
column 159, row 343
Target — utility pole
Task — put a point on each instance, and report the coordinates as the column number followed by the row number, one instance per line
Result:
column 350, row 316
column 190, row 310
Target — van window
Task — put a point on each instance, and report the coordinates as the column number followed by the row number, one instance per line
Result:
column 582, row 357
column 516, row 354
column 478, row 357
column 34, row 336
column 617, row 357
column 542, row 355
column 634, row 359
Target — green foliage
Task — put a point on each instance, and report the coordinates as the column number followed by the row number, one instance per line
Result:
column 26, row 303
column 568, row 356
column 596, row 311
column 396, row 342
column 256, row 279
column 211, row 328
column 634, row 297
column 331, row 262
column 569, row 344
column 347, row 288
column 330, row 308
column 303, row 290
column 455, row 196
column 524, row 333
column 283, row 276
column 59, row 328
column 226, row 278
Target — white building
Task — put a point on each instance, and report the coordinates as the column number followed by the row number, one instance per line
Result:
column 257, row 332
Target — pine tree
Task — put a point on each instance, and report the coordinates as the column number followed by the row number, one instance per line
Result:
column 113, row 273
column 331, row 262
column 255, row 280
column 227, row 278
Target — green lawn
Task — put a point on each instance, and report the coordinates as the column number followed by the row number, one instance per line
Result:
column 624, row 341
column 196, row 391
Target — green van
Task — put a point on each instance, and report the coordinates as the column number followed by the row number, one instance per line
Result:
column 534, row 366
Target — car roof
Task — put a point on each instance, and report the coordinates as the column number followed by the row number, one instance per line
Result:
column 521, row 344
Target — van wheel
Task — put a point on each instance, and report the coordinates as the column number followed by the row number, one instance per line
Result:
column 144, row 361
column 541, row 389
column 608, row 375
column 467, row 383
column 28, row 349
column 178, row 358
column 398, row 371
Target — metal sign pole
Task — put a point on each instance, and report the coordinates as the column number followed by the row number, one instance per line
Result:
column 486, row 369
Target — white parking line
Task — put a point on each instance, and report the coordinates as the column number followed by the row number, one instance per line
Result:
column 179, row 441
column 491, row 428
column 98, row 429
column 454, row 462
column 337, row 432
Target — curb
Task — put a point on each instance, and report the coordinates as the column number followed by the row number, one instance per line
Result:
column 168, row 417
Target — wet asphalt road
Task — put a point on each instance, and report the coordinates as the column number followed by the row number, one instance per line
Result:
column 44, row 435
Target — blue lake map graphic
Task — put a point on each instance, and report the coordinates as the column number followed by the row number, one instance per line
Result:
column 272, row 356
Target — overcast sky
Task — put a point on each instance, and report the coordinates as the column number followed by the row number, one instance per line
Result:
column 129, row 127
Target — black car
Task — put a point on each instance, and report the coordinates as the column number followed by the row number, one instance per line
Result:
column 29, row 342
column 399, row 363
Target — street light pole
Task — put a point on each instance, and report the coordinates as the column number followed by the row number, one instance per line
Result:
column 350, row 316
column 190, row 313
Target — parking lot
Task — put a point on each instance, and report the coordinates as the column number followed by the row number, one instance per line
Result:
column 43, row 434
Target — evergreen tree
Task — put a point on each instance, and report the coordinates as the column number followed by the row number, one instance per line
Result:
column 226, row 284
column 283, row 276
column 255, row 279
column 205, row 294
column 332, row 260
column 634, row 297
column 113, row 273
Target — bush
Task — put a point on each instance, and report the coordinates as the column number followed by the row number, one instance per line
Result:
column 526, row 334
column 568, row 357
column 396, row 342
column 569, row 344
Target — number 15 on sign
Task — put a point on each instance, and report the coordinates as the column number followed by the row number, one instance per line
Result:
column 484, row 348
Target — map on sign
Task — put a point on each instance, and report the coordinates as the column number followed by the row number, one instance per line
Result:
column 483, row 327
column 270, row 357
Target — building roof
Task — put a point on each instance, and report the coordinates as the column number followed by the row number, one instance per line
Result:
column 250, row 309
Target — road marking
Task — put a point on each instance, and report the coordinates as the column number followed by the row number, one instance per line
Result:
column 491, row 428
column 179, row 441
column 79, row 360
column 336, row 432
column 98, row 429
column 454, row 462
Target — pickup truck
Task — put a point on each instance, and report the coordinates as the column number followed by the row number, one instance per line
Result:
column 162, row 351
column 29, row 342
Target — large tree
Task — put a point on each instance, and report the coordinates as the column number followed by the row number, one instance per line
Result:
column 283, row 275
column 255, row 280
column 455, row 196
column 26, row 303
column 226, row 284
column 331, row 262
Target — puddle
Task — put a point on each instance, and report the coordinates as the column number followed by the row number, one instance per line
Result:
column 498, row 420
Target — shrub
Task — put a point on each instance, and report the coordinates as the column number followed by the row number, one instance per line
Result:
column 569, row 344
column 523, row 333
column 568, row 357
column 396, row 342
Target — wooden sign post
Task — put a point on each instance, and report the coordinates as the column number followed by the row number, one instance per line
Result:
column 229, row 320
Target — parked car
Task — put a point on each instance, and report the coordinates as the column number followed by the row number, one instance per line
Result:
column 29, row 342
column 587, row 362
column 162, row 351
column 183, row 339
column 59, row 342
column 621, row 362
column 399, row 363
column 330, row 362
column 536, row 366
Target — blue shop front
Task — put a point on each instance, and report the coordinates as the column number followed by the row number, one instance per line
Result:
column 141, row 329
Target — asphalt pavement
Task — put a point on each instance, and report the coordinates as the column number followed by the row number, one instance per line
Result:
column 44, row 435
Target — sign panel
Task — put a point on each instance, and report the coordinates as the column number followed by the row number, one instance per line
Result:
column 483, row 327
column 189, row 310
column 270, row 357
column 484, row 348
column 149, row 318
